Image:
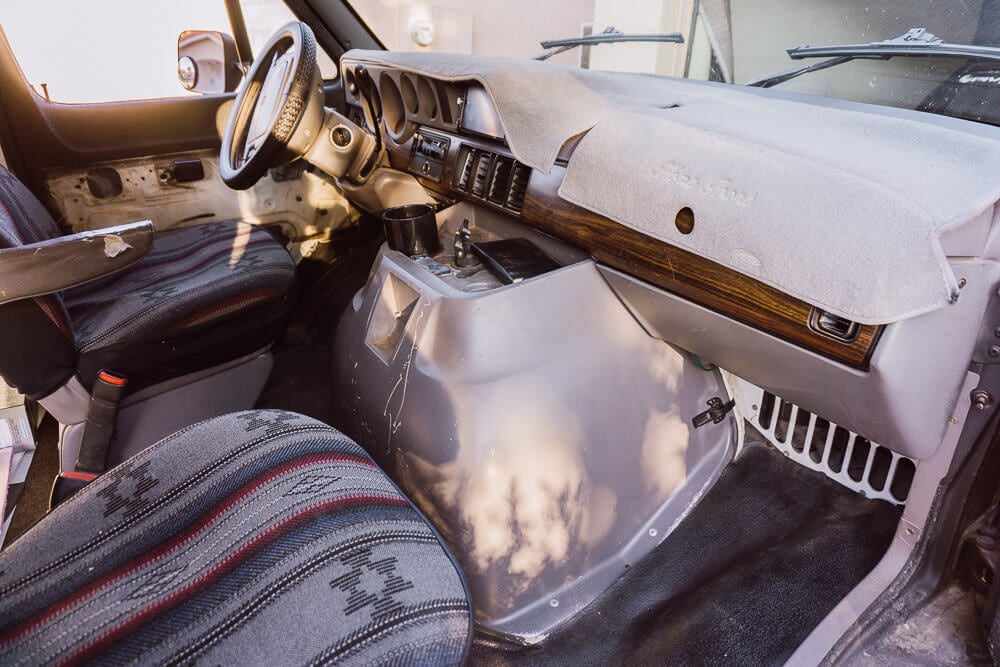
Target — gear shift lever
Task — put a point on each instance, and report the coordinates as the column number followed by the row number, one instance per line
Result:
column 463, row 241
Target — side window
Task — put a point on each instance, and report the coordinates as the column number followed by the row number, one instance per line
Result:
column 263, row 17
column 79, row 51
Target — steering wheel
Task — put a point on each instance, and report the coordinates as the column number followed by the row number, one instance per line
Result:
column 278, row 116
column 270, row 106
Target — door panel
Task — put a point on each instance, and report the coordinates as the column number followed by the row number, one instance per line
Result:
column 81, row 134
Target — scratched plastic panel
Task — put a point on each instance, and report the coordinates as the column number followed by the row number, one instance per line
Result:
column 540, row 428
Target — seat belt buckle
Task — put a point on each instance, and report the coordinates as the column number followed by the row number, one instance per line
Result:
column 100, row 426
column 109, row 384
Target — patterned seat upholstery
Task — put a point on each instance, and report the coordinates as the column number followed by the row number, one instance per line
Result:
column 201, row 297
column 261, row 537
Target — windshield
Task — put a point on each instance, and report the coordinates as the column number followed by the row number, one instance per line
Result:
column 735, row 41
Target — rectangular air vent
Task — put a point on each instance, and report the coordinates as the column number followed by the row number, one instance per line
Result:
column 481, row 170
column 463, row 171
column 498, row 179
column 832, row 326
column 518, row 187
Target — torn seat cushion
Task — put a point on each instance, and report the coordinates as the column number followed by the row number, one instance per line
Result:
column 261, row 537
column 202, row 296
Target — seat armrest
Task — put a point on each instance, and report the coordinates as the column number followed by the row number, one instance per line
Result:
column 57, row 264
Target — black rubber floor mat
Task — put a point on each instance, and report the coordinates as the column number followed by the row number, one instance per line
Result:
column 300, row 382
column 743, row 580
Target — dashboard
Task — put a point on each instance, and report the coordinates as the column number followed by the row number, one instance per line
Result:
column 872, row 379
column 449, row 135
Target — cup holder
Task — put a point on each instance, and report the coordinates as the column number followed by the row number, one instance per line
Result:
column 412, row 229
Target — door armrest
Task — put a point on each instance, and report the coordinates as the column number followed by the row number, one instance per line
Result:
column 57, row 264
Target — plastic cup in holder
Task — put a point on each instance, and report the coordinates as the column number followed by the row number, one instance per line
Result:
column 412, row 229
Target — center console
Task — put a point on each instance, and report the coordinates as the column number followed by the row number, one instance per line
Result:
column 536, row 423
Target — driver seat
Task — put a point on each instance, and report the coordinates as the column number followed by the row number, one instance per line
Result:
column 188, row 325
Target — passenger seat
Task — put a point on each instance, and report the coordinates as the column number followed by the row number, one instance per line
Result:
column 260, row 537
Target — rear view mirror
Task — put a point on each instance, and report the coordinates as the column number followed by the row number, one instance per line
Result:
column 208, row 61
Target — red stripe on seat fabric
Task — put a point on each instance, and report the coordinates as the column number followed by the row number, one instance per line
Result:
column 230, row 561
column 218, row 310
column 137, row 269
column 175, row 543
column 54, row 313
column 206, row 260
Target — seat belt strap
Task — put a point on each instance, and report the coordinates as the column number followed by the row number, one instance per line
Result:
column 100, row 426
column 97, row 433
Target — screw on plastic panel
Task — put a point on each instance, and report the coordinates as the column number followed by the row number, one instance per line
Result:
column 996, row 332
column 994, row 351
column 986, row 542
column 910, row 531
column 981, row 399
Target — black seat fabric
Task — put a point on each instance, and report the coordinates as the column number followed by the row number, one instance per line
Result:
column 202, row 296
column 262, row 537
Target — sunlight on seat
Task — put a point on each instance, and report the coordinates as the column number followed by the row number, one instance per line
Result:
column 240, row 242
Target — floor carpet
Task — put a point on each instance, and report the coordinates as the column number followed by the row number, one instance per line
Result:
column 743, row 580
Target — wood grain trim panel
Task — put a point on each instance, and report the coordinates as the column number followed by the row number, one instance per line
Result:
column 686, row 274
column 668, row 267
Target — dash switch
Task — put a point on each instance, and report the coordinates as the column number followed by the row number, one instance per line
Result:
column 187, row 171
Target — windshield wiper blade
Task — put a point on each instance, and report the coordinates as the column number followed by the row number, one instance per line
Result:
column 915, row 42
column 784, row 75
column 609, row 36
